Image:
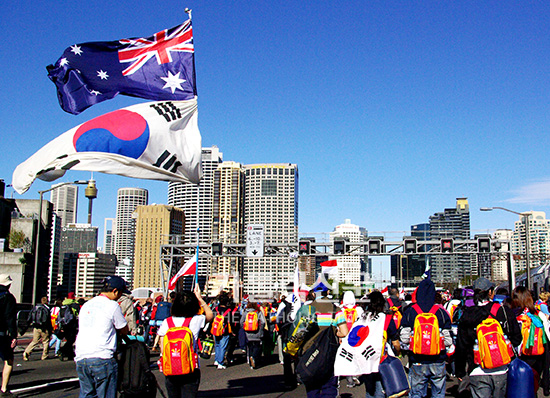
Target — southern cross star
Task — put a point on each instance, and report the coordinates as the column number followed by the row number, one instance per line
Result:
column 76, row 50
column 173, row 82
column 102, row 75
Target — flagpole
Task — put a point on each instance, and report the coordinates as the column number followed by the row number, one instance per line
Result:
column 188, row 12
column 198, row 236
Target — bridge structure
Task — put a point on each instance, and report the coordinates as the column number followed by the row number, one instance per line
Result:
column 174, row 254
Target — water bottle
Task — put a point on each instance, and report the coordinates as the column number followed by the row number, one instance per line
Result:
column 477, row 357
column 441, row 340
column 451, row 350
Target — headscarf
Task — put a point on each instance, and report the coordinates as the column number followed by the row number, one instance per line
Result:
column 349, row 299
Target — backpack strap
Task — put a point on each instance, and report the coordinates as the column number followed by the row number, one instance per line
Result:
column 170, row 322
column 390, row 302
column 417, row 309
column 186, row 322
column 494, row 309
column 387, row 321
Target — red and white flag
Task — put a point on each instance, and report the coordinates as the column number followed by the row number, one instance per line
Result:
column 384, row 291
column 190, row 268
column 329, row 266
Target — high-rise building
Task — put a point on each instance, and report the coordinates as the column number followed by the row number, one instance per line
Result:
column 349, row 267
column 451, row 223
column 128, row 199
column 410, row 267
column 91, row 269
column 75, row 238
column 499, row 268
column 109, row 237
column 197, row 205
column 271, row 199
column 154, row 225
column 55, row 262
column 65, row 203
column 539, row 239
column 227, row 215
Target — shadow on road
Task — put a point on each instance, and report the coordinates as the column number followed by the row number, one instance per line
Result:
column 248, row 386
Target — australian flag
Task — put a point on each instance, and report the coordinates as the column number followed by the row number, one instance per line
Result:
column 160, row 67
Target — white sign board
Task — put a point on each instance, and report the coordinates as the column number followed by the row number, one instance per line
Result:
column 255, row 240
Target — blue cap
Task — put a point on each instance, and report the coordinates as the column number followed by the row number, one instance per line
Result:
column 116, row 282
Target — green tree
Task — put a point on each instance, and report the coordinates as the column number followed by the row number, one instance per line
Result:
column 18, row 240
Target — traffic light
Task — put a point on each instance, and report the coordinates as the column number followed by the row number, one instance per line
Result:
column 484, row 245
column 375, row 246
column 304, row 247
column 339, row 246
column 409, row 246
column 217, row 248
column 446, row 245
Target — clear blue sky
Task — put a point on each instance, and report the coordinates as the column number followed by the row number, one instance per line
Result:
column 391, row 109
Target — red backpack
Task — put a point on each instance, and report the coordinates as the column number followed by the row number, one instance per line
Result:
column 218, row 324
column 178, row 349
column 426, row 339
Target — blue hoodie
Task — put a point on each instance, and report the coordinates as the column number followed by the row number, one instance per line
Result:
column 425, row 298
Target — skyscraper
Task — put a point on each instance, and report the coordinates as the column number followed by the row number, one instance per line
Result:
column 271, row 199
column 539, row 239
column 451, row 223
column 128, row 199
column 154, row 224
column 227, row 221
column 197, row 204
column 349, row 267
column 65, row 203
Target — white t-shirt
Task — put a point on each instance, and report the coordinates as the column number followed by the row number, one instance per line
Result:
column 197, row 323
column 98, row 321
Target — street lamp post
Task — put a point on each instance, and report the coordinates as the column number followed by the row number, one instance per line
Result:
column 526, row 220
column 37, row 243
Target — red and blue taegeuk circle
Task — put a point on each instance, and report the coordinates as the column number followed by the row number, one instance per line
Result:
column 121, row 132
column 358, row 335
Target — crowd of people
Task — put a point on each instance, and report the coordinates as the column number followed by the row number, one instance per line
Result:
column 435, row 335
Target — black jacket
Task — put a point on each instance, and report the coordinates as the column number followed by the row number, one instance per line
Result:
column 473, row 316
column 8, row 321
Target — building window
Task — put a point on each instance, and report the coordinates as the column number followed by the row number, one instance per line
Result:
column 269, row 187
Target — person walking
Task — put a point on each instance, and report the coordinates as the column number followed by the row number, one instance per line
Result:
column 253, row 322
column 68, row 325
column 56, row 334
column 427, row 365
column 534, row 345
column 185, row 306
column 126, row 302
column 100, row 320
column 324, row 316
column 8, row 332
column 483, row 382
column 41, row 321
column 223, row 330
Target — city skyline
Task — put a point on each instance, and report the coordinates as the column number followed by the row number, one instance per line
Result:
column 390, row 111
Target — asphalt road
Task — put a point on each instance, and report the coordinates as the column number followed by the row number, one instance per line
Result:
column 55, row 379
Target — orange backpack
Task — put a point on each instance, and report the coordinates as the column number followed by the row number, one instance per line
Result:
column 351, row 316
column 426, row 339
column 178, row 350
column 397, row 315
column 494, row 349
column 533, row 336
column 251, row 323
column 218, row 324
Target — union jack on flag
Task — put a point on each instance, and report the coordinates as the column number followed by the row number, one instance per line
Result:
column 163, row 44
column 160, row 67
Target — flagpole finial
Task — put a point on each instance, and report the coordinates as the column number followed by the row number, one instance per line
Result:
column 188, row 12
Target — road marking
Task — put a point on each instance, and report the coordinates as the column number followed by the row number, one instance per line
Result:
column 45, row 385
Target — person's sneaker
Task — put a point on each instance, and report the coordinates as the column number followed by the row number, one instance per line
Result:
column 25, row 356
column 220, row 366
column 252, row 363
column 7, row 393
column 216, row 363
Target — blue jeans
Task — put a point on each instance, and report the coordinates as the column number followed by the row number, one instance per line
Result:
column 489, row 386
column 97, row 377
column 220, row 348
column 421, row 374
